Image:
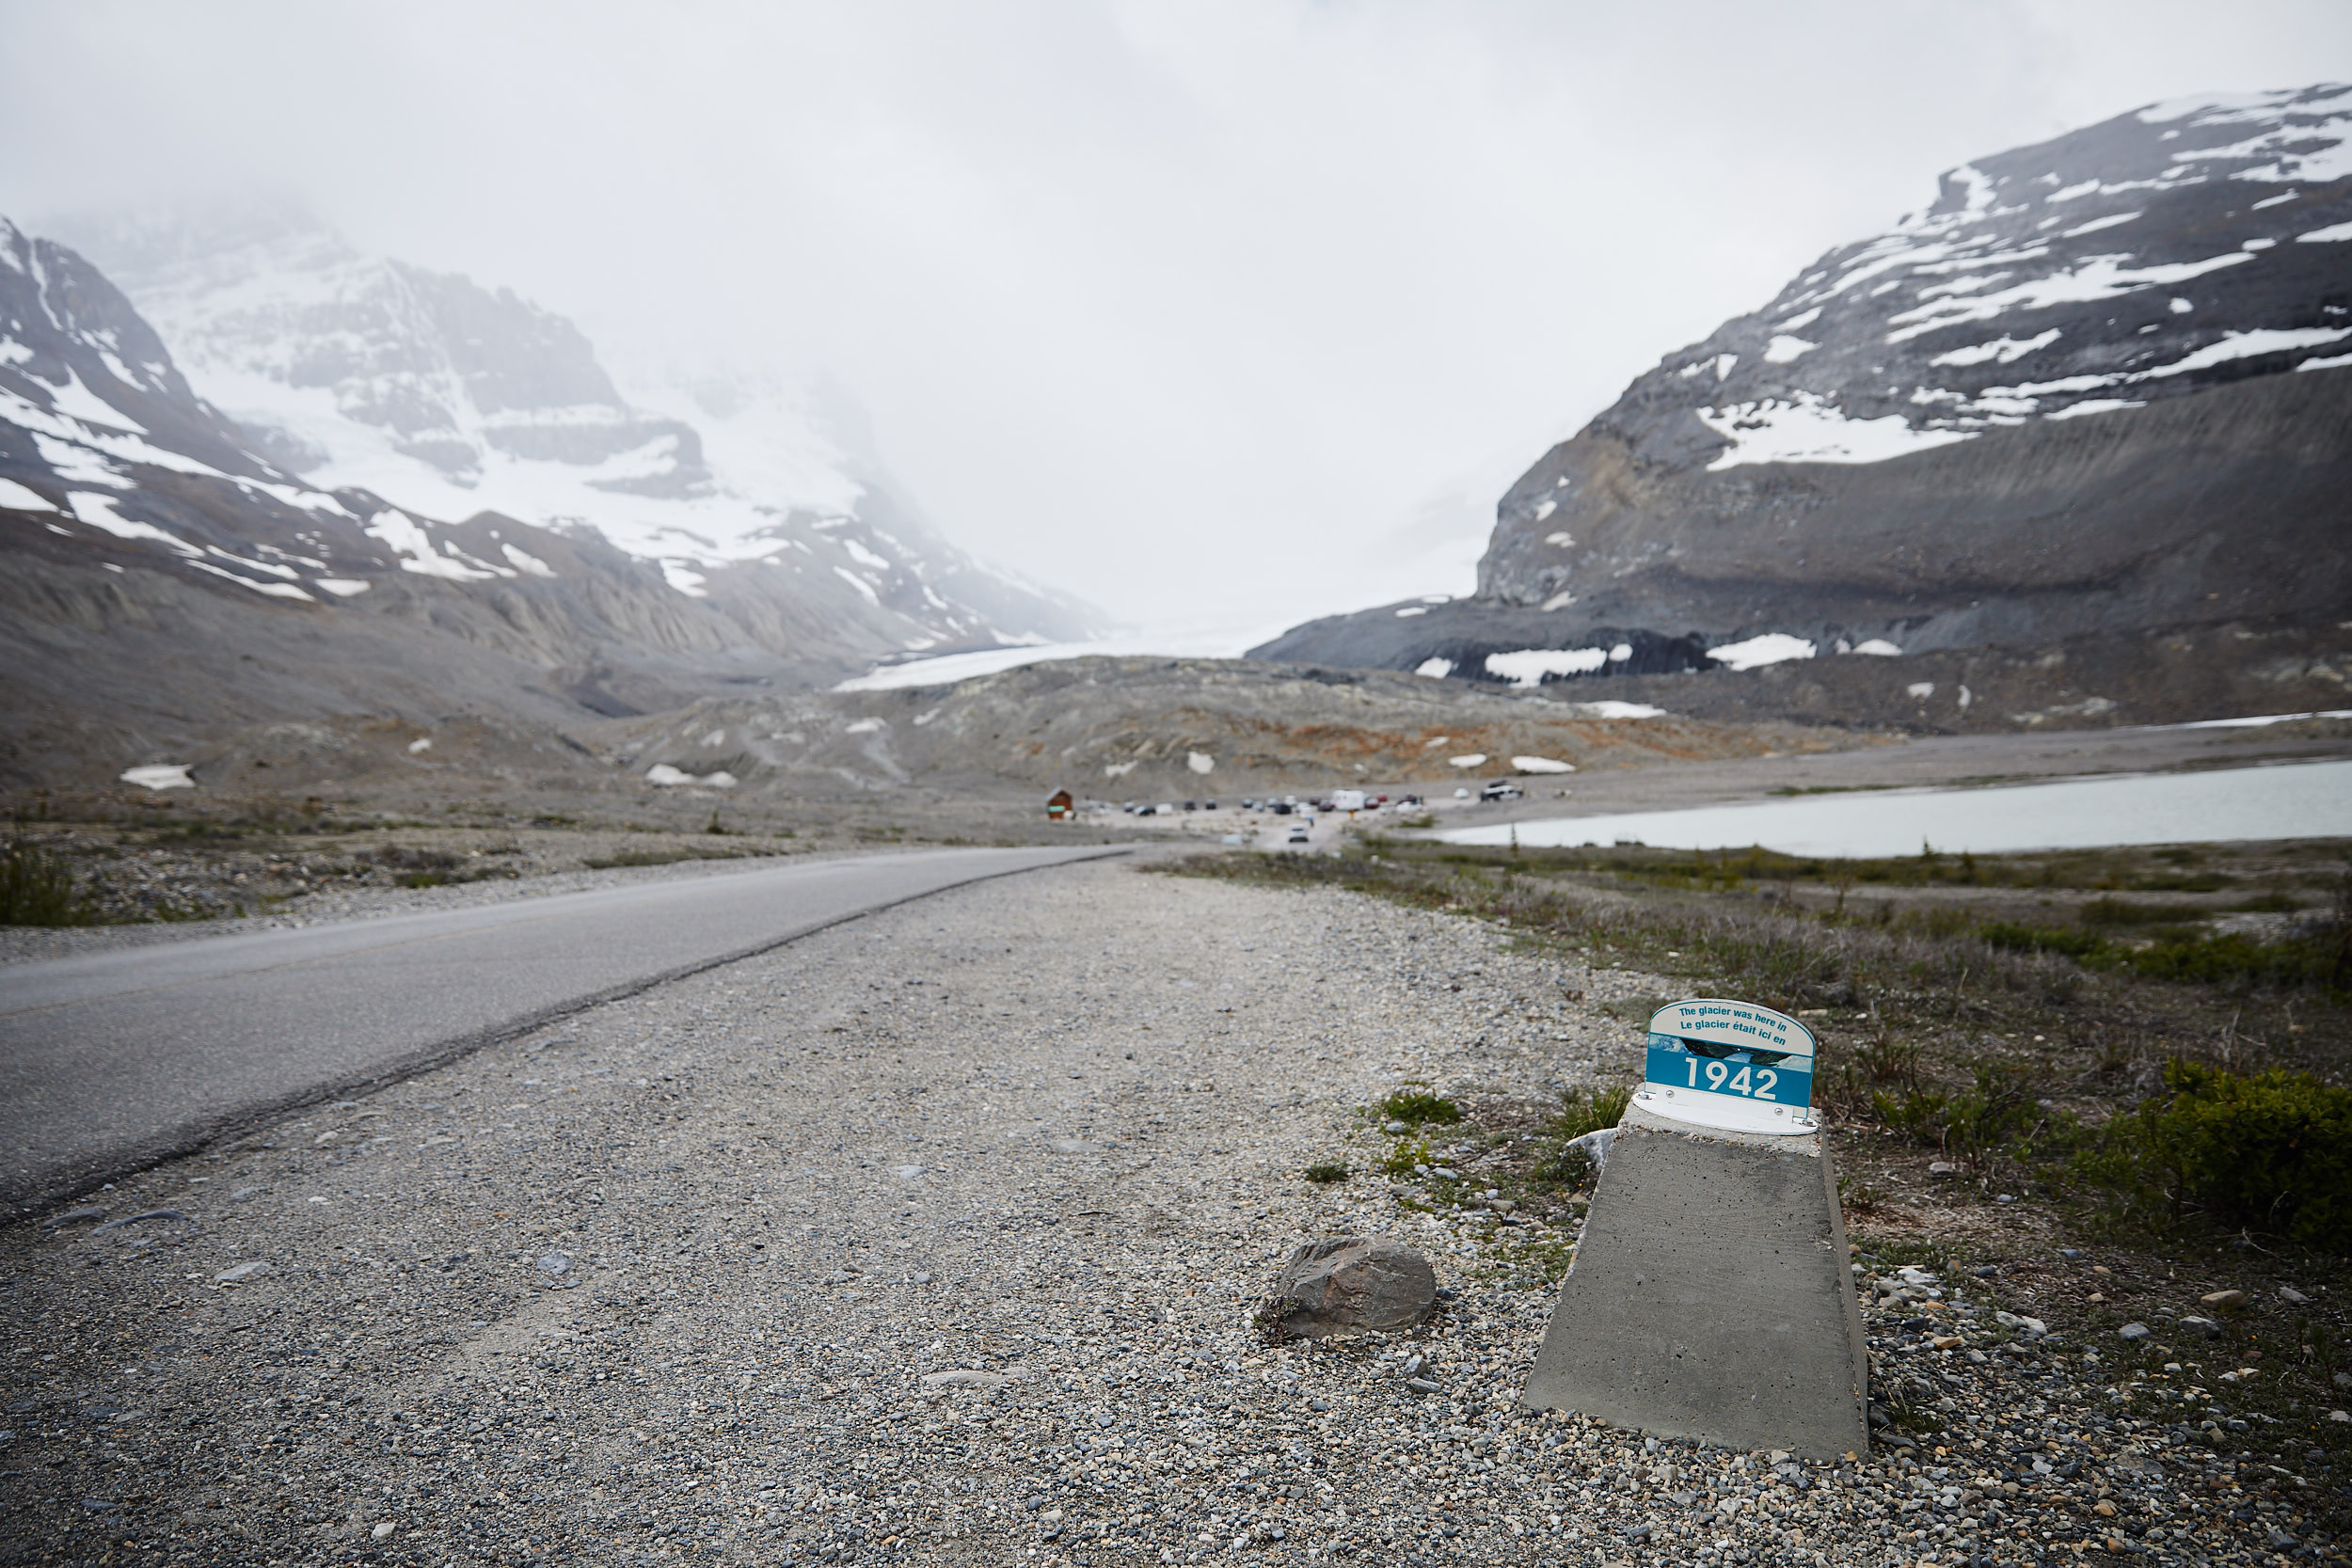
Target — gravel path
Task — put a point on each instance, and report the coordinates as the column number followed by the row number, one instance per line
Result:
column 934, row 1238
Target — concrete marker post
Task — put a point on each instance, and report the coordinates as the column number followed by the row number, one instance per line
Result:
column 1711, row 1295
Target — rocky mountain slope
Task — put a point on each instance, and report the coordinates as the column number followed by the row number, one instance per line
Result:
column 1121, row 728
column 170, row 576
column 362, row 371
column 2099, row 387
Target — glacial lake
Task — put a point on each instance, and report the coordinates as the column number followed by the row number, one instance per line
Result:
column 2312, row 799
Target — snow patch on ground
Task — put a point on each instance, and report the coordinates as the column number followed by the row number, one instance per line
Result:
column 413, row 543
column 2006, row 350
column 273, row 590
column 2093, row 406
column 1808, row 430
column 1435, row 669
column 160, row 775
column 2244, row 345
column 1542, row 765
column 99, row 511
column 664, row 774
column 1772, row 647
column 18, row 498
column 2096, row 278
column 1530, row 667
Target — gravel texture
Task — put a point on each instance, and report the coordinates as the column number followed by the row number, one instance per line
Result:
column 936, row 1237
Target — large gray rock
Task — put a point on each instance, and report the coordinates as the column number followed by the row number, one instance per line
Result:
column 1352, row 1282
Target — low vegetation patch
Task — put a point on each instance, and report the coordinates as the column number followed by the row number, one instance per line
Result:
column 2270, row 1151
column 37, row 888
column 2035, row 1028
column 1415, row 1107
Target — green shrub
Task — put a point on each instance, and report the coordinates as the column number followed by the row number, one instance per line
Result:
column 2272, row 1151
column 1994, row 1110
column 36, row 889
column 1419, row 1106
column 2323, row 958
column 1328, row 1170
column 2222, row 959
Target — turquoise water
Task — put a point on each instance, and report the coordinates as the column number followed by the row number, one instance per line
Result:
column 2310, row 799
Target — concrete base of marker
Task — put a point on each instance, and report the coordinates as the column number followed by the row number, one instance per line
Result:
column 1711, row 1296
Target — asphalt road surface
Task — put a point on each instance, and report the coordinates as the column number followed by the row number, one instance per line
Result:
column 112, row 1060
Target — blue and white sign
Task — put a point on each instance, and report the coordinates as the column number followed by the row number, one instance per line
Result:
column 1730, row 1064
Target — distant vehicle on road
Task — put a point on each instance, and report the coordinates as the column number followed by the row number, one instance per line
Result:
column 1501, row 789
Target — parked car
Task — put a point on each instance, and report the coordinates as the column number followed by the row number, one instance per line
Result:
column 1501, row 789
column 1281, row 808
column 1299, row 834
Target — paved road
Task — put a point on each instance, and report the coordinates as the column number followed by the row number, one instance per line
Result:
column 112, row 1060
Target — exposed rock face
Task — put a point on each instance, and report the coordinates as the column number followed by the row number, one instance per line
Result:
column 1354, row 1282
column 2101, row 386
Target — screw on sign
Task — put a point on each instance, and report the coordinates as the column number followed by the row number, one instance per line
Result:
column 1732, row 1065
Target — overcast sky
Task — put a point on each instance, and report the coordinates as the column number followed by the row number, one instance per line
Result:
column 1184, row 305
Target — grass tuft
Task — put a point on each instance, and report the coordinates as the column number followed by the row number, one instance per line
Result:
column 1419, row 1107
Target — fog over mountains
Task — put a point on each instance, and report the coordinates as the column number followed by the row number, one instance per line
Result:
column 435, row 489
column 2099, row 387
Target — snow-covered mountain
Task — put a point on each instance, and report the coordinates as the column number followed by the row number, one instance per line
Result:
column 167, row 577
column 2097, row 385
column 362, row 372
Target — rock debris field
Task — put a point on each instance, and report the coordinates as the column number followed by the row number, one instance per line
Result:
column 936, row 1237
